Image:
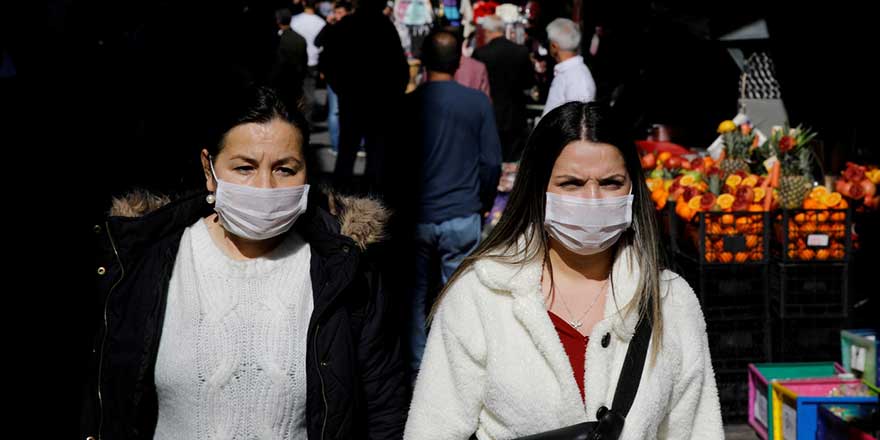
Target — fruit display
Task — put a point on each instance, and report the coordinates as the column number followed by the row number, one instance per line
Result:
column 791, row 148
column 728, row 222
column 738, row 141
column 858, row 183
column 754, row 198
column 816, row 232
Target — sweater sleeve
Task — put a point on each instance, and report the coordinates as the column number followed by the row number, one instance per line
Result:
column 696, row 411
column 448, row 395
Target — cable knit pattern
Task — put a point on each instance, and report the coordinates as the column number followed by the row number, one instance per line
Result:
column 232, row 356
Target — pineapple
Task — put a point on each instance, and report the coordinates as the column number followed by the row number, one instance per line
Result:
column 793, row 190
column 794, row 185
column 737, row 148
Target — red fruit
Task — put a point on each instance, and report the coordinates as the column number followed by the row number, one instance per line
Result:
column 674, row 194
column 689, row 193
column 873, row 202
column 869, row 187
column 700, row 166
column 649, row 161
column 856, row 192
column 673, row 162
column 786, row 144
column 707, row 201
column 740, row 205
column 745, row 194
column 742, row 174
column 686, row 164
column 843, row 186
column 854, row 173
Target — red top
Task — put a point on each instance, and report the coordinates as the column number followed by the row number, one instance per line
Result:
column 575, row 345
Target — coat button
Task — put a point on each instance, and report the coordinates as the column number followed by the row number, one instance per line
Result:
column 606, row 340
column 97, row 229
column 102, row 270
column 324, row 363
column 345, row 249
column 90, row 438
column 601, row 412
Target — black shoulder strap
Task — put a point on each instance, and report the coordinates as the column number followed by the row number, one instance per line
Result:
column 631, row 373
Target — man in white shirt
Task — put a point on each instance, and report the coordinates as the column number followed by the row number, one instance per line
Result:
column 309, row 24
column 572, row 80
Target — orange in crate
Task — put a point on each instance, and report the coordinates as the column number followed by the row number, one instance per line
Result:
column 751, row 241
column 726, row 257
column 823, row 254
column 741, row 257
column 807, row 254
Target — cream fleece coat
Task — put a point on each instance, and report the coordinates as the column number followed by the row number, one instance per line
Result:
column 494, row 364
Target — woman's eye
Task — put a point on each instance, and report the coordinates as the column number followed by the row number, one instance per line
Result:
column 244, row 169
column 287, row 171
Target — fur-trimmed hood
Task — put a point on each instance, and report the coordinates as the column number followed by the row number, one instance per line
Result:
column 363, row 219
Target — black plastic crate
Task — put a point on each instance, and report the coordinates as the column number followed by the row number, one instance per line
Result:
column 728, row 291
column 810, row 235
column 809, row 290
column 806, row 339
column 734, row 343
column 733, row 394
column 724, row 238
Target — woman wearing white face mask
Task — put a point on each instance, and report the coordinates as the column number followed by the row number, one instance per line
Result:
column 244, row 311
column 532, row 333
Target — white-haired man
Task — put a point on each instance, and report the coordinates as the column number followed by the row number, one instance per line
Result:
column 510, row 73
column 572, row 80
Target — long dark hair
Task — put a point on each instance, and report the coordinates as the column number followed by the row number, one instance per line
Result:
column 523, row 218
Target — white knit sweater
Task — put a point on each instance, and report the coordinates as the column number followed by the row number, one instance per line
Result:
column 494, row 364
column 232, row 356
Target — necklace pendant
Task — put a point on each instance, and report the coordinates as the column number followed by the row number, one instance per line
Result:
column 575, row 324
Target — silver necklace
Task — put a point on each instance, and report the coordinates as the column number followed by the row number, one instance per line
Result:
column 578, row 323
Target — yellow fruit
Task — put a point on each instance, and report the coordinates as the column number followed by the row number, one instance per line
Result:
column 687, row 180
column 873, row 176
column 818, row 193
column 733, row 180
column 831, row 200
column 750, row 181
column 662, row 157
column 725, row 201
column 694, row 203
column 759, row 194
column 727, row 127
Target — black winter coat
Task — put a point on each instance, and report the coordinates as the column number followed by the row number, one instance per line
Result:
column 355, row 382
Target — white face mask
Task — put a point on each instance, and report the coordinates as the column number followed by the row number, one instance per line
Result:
column 587, row 226
column 258, row 213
